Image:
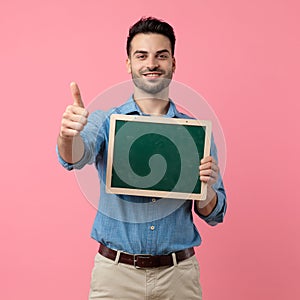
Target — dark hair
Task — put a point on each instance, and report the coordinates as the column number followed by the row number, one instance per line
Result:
column 151, row 25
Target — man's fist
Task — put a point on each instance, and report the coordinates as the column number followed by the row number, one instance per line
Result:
column 75, row 117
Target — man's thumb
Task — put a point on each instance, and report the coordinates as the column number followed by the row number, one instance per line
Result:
column 76, row 94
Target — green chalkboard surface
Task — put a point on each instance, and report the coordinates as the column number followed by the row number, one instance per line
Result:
column 156, row 156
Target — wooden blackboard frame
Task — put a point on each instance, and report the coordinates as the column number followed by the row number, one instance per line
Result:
column 114, row 118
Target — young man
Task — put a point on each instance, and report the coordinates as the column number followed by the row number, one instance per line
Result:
column 146, row 244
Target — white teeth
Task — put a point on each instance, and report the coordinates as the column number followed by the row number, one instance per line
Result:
column 152, row 75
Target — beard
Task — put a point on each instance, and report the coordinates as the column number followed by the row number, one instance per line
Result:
column 152, row 86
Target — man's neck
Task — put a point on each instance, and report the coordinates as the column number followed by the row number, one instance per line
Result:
column 152, row 104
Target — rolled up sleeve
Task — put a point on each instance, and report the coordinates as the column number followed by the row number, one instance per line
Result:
column 218, row 213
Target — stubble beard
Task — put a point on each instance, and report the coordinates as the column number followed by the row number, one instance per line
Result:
column 154, row 88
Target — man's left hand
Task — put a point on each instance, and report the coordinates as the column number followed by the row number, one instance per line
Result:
column 209, row 173
column 208, row 170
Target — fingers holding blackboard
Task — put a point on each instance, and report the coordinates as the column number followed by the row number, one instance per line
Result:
column 208, row 170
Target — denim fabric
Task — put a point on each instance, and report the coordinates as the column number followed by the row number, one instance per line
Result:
column 137, row 224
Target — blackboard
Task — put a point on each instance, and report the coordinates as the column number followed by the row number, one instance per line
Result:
column 156, row 156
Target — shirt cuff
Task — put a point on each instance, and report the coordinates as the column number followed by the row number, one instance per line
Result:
column 78, row 165
column 218, row 213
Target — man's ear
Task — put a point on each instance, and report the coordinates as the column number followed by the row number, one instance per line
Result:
column 174, row 64
column 128, row 65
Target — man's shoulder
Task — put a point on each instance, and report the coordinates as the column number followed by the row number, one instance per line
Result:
column 176, row 113
column 183, row 115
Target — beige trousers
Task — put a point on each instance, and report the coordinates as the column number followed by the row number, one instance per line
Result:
column 113, row 280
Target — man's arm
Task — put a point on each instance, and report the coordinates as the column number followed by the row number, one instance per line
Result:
column 209, row 173
column 71, row 149
column 70, row 144
column 207, row 206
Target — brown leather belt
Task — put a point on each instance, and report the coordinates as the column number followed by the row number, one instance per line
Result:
column 146, row 260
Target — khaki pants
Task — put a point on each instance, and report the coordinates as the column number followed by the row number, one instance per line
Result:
column 113, row 280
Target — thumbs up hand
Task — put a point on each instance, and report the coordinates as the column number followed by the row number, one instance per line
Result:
column 75, row 116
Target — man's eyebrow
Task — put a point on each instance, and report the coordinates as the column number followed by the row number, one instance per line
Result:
column 140, row 52
column 162, row 51
column 145, row 52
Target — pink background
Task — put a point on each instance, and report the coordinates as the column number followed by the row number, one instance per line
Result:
column 242, row 56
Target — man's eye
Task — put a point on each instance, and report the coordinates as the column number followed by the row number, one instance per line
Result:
column 162, row 56
column 141, row 56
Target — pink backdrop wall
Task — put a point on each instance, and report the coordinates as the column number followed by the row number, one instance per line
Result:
column 242, row 56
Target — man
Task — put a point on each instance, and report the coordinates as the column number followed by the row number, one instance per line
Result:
column 146, row 244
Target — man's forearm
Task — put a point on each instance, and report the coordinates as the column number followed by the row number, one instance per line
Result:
column 206, row 207
column 70, row 149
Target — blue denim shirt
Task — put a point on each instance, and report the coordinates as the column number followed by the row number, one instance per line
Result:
column 134, row 224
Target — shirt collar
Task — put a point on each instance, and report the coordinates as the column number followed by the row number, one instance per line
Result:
column 130, row 107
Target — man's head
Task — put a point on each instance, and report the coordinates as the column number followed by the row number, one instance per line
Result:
column 151, row 25
column 150, row 61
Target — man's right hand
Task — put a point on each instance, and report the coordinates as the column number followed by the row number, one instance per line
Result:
column 75, row 116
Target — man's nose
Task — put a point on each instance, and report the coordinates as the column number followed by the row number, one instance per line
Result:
column 152, row 63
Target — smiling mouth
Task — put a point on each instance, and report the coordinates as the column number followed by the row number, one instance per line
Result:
column 152, row 75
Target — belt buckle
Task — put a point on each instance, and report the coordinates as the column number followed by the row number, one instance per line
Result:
column 136, row 257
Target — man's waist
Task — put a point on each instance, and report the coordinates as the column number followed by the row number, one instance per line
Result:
column 146, row 260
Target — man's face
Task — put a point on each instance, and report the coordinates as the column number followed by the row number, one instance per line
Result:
column 150, row 62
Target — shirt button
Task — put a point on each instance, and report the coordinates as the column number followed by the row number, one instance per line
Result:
column 152, row 227
column 153, row 200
